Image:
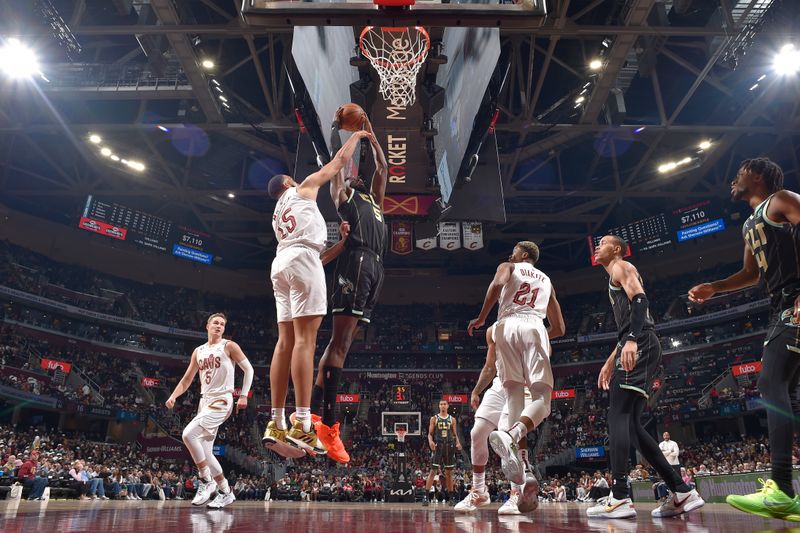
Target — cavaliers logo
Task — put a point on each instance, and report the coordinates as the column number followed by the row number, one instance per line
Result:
column 346, row 285
column 787, row 317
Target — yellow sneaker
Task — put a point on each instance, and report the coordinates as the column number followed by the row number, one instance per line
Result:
column 274, row 439
column 306, row 441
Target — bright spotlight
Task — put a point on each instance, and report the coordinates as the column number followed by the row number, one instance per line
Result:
column 666, row 167
column 106, row 151
column 705, row 145
column 17, row 60
column 675, row 343
column 207, row 64
column 787, row 61
column 579, row 100
column 95, row 139
column 231, row 195
column 114, row 157
column 136, row 165
column 595, row 64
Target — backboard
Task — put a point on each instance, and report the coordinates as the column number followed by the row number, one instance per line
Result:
column 392, row 420
column 527, row 14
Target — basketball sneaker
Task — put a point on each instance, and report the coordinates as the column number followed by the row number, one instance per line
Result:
column 529, row 497
column 472, row 501
column 329, row 436
column 769, row 501
column 307, row 441
column 504, row 446
column 314, row 418
column 609, row 507
column 274, row 439
column 222, row 499
column 510, row 506
column 204, row 492
column 678, row 503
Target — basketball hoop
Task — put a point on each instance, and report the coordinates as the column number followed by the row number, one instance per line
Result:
column 401, row 434
column 397, row 53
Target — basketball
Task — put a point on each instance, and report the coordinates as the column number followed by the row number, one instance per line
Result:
column 351, row 117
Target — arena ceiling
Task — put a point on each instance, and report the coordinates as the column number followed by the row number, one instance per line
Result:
column 675, row 73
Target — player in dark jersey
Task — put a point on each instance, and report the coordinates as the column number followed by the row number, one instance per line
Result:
column 443, row 441
column 357, row 282
column 627, row 375
column 772, row 254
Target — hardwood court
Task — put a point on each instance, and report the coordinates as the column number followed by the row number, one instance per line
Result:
column 180, row 517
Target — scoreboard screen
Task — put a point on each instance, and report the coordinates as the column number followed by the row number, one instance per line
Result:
column 702, row 218
column 400, row 395
column 118, row 221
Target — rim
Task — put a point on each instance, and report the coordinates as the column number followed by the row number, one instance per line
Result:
column 395, row 29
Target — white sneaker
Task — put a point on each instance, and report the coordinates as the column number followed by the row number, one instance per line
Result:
column 472, row 501
column 222, row 499
column 609, row 507
column 678, row 503
column 510, row 506
column 95, row 497
column 104, row 497
column 504, row 446
column 529, row 498
column 204, row 492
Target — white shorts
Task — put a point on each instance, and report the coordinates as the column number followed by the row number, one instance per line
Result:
column 494, row 408
column 523, row 351
column 298, row 281
column 214, row 411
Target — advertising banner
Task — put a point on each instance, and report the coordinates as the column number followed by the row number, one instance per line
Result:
column 52, row 364
column 563, row 394
column 348, row 398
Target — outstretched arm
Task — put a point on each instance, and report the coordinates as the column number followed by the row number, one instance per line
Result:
column 381, row 174
column 184, row 383
column 310, row 186
column 501, row 277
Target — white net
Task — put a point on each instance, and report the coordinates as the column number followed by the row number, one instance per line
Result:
column 397, row 54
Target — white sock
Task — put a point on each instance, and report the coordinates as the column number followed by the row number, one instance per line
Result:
column 518, row 431
column 479, row 482
column 304, row 416
column 223, row 485
column 204, row 474
column 279, row 417
column 516, row 488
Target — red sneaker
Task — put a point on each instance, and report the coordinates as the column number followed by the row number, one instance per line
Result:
column 329, row 436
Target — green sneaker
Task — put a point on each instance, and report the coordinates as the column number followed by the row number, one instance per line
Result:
column 769, row 501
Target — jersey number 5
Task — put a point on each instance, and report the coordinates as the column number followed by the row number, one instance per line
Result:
column 287, row 223
column 521, row 296
column 207, row 377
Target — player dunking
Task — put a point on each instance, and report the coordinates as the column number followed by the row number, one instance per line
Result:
column 298, row 282
column 627, row 374
column 491, row 413
column 357, row 282
column 771, row 253
column 526, row 296
column 443, row 441
column 214, row 360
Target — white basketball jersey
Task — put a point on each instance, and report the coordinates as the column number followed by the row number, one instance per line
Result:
column 297, row 220
column 526, row 293
column 216, row 369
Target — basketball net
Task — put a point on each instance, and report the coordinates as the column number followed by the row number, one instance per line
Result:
column 401, row 434
column 397, row 54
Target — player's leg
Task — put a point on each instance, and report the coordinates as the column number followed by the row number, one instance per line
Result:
column 225, row 495
column 487, row 417
column 302, row 432
column 448, row 482
column 193, row 437
column 778, row 380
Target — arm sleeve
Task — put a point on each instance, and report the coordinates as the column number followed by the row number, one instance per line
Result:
column 639, row 306
column 248, row 377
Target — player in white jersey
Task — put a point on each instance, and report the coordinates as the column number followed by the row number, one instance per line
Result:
column 526, row 297
column 298, row 281
column 214, row 361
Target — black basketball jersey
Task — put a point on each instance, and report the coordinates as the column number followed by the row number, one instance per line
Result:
column 443, row 429
column 367, row 228
column 621, row 306
column 776, row 248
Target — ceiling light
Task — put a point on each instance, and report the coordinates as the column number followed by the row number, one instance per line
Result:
column 217, row 88
column 640, row 129
column 114, row 157
column 17, row 60
column 666, row 167
column 675, row 343
column 215, row 82
column 208, row 64
column 163, row 128
column 231, row 195
column 685, row 161
column 787, row 61
column 221, row 97
column 106, row 151
column 705, row 145
column 595, row 64
column 579, row 100
column 761, row 77
column 136, row 165
column 753, row 88
column 95, row 139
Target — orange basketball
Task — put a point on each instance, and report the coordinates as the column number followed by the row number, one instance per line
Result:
column 351, row 117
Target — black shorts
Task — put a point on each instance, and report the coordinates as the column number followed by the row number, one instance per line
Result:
column 444, row 456
column 783, row 336
column 357, row 282
column 647, row 369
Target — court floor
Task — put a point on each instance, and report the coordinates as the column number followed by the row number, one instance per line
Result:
column 181, row 517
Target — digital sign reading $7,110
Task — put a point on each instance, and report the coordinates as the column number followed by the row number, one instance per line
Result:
column 117, row 221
